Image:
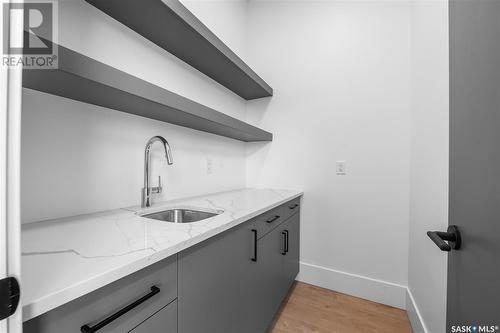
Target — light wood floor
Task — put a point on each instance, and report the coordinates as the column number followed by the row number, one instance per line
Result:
column 314, row 309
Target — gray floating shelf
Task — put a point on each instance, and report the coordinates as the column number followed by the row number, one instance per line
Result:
column 170, row 25
column 84, row 79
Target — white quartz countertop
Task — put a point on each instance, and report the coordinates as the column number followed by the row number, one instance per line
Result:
column 67, row 258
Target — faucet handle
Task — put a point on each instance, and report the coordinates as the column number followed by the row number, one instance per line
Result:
column 157, row 189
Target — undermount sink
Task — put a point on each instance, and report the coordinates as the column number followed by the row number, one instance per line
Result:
column 182, row 215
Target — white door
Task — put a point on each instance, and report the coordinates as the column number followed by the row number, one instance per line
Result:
column 10, row 143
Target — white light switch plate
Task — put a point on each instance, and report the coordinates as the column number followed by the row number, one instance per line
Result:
column 340, row 168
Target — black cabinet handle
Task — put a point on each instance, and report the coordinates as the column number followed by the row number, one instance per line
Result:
column 286, row 241
column 293, row 206
column 87, row 329
column 274, row 218
column 254, row 258
column 452, row 236
column 284, row 234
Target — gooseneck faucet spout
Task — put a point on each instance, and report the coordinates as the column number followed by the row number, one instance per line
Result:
column 147, row 190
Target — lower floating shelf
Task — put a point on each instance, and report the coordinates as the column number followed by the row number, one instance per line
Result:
column 84, row 79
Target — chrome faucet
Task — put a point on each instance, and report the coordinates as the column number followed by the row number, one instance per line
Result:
column 148, row 190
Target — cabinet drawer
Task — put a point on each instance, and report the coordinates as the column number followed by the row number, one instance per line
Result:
column 164, row 321
column 290, row 208
column 269, row 220
column 106, row 301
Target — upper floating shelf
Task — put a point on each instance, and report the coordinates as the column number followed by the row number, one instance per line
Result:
column 84, row 79
column 174, row 28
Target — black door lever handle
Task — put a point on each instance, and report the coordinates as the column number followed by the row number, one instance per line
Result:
column 446, row 241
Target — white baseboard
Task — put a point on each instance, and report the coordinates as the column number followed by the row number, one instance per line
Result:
column 356, row 285
column 417, row 323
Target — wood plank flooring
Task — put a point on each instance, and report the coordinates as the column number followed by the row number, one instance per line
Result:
column 311, row 309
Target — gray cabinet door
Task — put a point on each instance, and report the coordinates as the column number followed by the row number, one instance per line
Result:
column 270, row 285
column 277, row 269
column 216, row 284
column 163, row 321
column 291, row 264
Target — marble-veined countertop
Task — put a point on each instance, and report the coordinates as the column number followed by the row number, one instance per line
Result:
column 67, row 258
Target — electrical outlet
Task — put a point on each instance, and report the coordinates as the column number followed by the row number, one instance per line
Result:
column 210, row 166
column 340, row 168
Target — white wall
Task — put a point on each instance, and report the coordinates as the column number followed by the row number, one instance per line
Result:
column 341, row 73
column 429, row 161
column 79, row 158
column 225, row 18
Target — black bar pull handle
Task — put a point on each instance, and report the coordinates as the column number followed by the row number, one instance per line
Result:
column 446, row 241
column 294, row 206
column 286, row 242
column 274, row 218
column 284, row 234
column 87, row 329
column 254, row 258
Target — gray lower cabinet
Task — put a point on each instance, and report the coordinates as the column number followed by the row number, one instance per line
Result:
column 233, row 282
column 222, row 290
column 278, row 265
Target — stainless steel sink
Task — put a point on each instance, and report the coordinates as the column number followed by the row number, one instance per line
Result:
column 182, row 215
